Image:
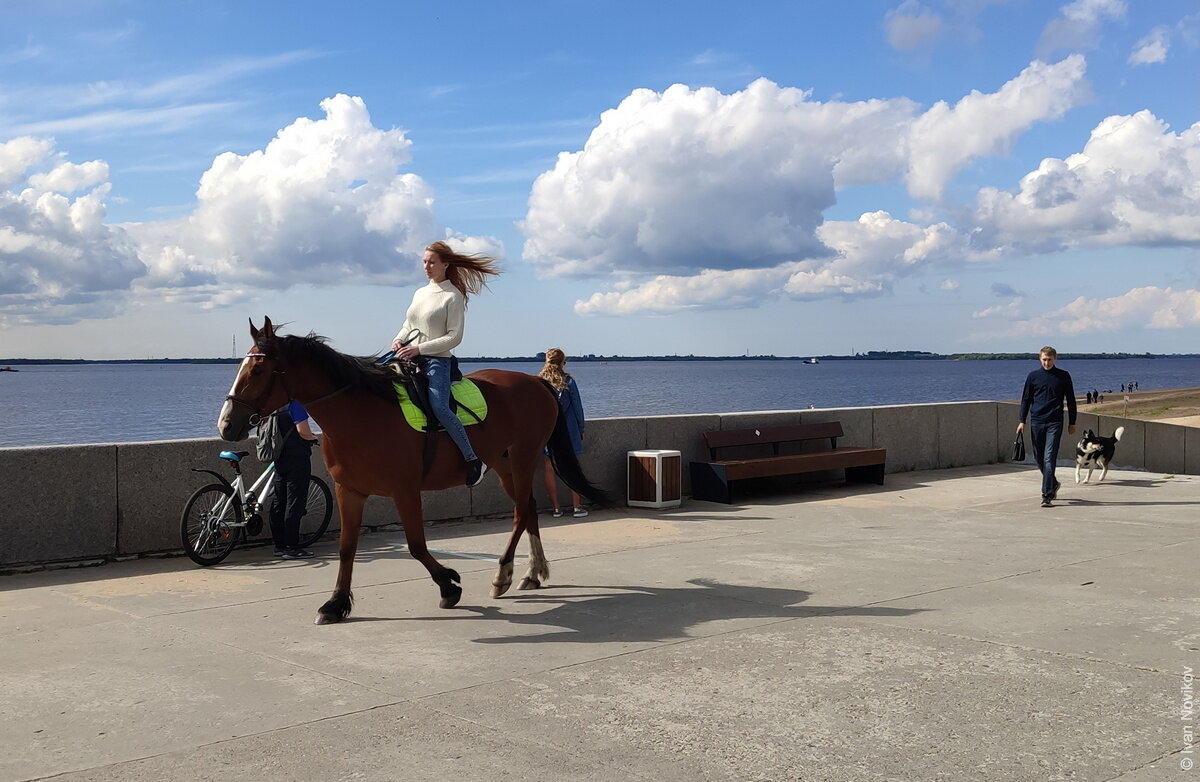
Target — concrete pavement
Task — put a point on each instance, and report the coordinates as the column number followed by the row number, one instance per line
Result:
column 941, row 627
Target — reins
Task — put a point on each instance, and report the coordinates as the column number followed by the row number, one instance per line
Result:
column 346, row 387
column 256, row 405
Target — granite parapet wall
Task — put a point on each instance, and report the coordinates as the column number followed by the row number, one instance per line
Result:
column 99, row 502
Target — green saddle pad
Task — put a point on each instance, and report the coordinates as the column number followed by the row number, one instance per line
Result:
column 465, row 391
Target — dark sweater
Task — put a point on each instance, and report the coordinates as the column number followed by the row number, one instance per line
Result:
column 1045, row 390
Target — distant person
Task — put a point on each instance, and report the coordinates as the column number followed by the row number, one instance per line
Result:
column 434, row 326
column 1089, row 397
column 293, row 468
column 1042, row 400
column 554, row 372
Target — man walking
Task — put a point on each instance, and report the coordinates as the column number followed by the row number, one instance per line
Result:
column 1042, row 400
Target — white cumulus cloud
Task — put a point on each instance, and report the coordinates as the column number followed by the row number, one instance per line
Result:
column 59, row 261
column 1134, row 183
column 323, row 202
column 687, row 180
column 946, row 138
column 869, row 254
column 1150, row 307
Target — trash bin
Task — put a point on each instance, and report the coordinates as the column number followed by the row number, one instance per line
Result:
column 653, row 479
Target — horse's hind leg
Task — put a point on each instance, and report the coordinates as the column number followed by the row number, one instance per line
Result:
column 539, row 567
column 504, row 573
column 350, row 511
column 518, row 484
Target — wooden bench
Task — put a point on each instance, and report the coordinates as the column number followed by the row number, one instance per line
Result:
column 712, row 480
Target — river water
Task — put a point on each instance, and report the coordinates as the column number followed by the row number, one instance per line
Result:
column 102, row 403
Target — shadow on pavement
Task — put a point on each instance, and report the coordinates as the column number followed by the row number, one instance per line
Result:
column 643, row 613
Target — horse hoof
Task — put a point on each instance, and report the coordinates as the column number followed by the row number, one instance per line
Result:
column 529, row 583
column 335, row 610
column 450, row 596
column 500, row 589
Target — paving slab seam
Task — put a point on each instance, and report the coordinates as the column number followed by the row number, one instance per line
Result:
column 557, row 749
column 1033, row 649
column 1145, row 765
column 1014, row 575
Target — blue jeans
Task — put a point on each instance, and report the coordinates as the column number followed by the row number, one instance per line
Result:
column 1044, row 439
column 437, row 369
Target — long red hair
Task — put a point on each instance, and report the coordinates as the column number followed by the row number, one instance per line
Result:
column 468, row 273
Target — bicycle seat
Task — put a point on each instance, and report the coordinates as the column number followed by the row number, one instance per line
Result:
column 233, row 457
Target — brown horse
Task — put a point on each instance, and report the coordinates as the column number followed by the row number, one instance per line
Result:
column 371, row 450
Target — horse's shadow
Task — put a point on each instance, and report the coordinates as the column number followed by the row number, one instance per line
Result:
column 648, row 613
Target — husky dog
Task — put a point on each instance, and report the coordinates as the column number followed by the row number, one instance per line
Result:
column 1095, row 450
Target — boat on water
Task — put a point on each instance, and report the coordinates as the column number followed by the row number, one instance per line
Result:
column 8, row 369
column 811, row 361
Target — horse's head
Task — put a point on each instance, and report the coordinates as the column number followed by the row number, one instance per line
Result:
column 258, row 388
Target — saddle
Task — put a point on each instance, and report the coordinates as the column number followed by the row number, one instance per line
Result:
column 412, row 393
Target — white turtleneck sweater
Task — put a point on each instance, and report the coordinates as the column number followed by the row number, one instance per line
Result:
column 438, row 312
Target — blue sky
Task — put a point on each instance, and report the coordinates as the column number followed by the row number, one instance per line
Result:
column 790, row 178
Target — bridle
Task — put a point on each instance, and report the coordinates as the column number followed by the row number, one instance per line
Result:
column 255, row 405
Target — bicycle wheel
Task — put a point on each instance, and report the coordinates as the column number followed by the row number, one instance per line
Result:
column 319, row 511
column 206, row 527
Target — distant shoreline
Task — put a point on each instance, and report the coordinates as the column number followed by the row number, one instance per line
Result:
column 874, row 355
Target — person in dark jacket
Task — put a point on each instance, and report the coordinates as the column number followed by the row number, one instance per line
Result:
column 569, row 401
column 1042, row 399
column 293, row 468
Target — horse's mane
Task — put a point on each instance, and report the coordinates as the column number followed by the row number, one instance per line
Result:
column 343, row 370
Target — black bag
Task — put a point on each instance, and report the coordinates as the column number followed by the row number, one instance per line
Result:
column 273, row 431
column 1019, row 448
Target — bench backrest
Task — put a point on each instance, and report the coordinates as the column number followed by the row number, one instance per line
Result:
column 772, row 435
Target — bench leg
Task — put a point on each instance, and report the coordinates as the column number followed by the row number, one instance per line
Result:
column 869, row 473
column 709, row 483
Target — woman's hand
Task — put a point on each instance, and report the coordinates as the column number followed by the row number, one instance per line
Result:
column 408, row 352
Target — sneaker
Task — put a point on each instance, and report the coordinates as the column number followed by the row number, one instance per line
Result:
column 1054, row 494
column 279, row 552
column 558, row 513
column 579, row 513
column 298, row 553
column 1046, row 503
column 476, row 469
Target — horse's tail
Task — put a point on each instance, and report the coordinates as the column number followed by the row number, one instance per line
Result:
column 566, row 463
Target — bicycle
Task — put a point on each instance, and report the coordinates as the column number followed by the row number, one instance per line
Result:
column 218, row 515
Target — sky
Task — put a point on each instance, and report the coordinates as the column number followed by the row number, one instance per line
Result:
column 713, row 178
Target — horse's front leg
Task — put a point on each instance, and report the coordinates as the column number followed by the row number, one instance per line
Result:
column 413, row 521
column 350, row 511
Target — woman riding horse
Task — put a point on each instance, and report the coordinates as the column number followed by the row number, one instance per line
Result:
column 434, row 326
column 370, row 449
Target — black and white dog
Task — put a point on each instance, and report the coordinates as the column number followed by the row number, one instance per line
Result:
column 1095, row 450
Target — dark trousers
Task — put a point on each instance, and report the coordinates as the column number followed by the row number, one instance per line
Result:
column 290, row 500
column 1044, row 439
